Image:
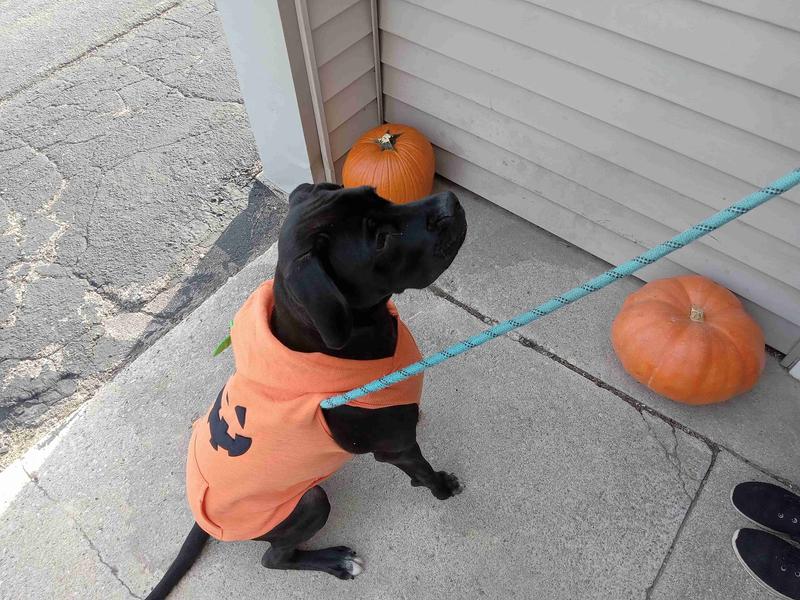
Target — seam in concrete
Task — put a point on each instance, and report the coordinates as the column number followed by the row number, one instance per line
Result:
column 686, row 516
column 672, row 455
column 91, row 50
column 16, row 475
column 636, row 404
column 112, row 569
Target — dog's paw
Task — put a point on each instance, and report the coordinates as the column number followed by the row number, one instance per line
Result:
column 347, row 564
column 354, row 566
column 339, row 561
column 448, row 487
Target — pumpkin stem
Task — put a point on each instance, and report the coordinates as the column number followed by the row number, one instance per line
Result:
column 387, row 140
column 697, row 314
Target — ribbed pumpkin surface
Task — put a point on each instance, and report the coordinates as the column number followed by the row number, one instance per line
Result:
column 689, row 339
column 395, row 159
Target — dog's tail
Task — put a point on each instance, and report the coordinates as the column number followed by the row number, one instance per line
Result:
column 189, row 552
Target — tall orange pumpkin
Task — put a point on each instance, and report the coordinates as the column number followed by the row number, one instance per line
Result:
column 395, row 159
column 689, row 339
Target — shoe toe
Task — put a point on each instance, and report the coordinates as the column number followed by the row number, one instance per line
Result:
column 767, row 505
column 771, row 561
column 749, row 495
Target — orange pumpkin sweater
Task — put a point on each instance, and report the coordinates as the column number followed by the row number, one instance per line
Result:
column 264, row 442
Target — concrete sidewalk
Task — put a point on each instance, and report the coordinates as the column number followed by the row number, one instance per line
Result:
column 573, row 488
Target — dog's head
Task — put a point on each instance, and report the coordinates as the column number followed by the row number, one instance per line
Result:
column 344, row 249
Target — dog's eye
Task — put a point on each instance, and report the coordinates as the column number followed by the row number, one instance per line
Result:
column 370, row 224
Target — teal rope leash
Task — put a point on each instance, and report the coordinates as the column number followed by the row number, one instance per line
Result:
column 716, row 221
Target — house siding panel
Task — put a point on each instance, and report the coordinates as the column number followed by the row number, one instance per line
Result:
column 610, row 132
column 343, row 50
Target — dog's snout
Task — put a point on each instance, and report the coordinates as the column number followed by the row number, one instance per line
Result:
column 448, row 223
column 439, row 221
column 450, row 204
column 445, row 210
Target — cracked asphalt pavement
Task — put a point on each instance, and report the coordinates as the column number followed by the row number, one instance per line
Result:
column 128, row 192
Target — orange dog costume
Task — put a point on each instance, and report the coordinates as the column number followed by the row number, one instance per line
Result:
column 264, row 442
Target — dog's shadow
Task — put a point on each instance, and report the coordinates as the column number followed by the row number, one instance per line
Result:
column 246, row 237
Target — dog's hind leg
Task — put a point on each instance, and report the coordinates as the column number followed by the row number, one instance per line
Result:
column 308, row 517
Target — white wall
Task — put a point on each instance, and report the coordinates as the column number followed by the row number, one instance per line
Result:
column 261, row 53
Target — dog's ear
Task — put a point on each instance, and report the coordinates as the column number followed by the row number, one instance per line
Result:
column 327, row 307
column 307, row 190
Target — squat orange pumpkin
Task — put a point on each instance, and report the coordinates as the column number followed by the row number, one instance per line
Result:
column 395, row 159
column 689, row 339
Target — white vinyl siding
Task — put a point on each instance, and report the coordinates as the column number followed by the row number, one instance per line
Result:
column 777, row 12
column 616, row 124
column 341, row 33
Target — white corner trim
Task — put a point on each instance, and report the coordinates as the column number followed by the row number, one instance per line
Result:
column 310, row 58
column 792, row 360
column 376, row 50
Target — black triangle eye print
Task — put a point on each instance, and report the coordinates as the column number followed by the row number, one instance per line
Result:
column 218, row 427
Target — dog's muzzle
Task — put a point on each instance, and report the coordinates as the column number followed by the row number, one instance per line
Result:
column 452, row 229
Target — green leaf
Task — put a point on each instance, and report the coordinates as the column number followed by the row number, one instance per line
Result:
column 222, row 346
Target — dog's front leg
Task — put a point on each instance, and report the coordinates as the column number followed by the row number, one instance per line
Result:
column 443, row 485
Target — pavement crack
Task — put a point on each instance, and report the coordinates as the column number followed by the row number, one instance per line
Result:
column 181, row 23
column 44, row 255
column 46, row 353
column 671, row 454
column 649, row 590
column 184, row 138
column 120, row 303
column 173, row 86
column 111, row 568
column 125, row 108
column 89, row 52
column 37, row 152
column 73, row 142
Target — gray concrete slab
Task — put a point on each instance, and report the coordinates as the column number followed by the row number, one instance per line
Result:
column 510, row 265
column 570, row 492
column 702, row 563
column 128, row 194
column 40, row 545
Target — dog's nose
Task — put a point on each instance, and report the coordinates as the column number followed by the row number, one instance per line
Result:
column 446, row 208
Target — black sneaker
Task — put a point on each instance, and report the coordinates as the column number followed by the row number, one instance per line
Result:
column 770, row 560
column 769, row 506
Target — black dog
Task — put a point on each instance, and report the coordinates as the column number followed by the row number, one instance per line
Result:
column 342, row 253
